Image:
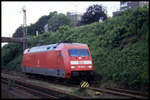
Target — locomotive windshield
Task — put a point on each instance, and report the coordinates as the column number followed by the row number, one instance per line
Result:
column 78, row 52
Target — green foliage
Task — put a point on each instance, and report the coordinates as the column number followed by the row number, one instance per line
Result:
column 94, row 13
column 15, row 64
column 11, row 56
column 18, row 33
column 119, row 46
column 38, row 26
column 58, row 20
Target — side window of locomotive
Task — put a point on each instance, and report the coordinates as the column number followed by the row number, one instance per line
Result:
column 78, row 52
column 48, row 48
column 28, row 50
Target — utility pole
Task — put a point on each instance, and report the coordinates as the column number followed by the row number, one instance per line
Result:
column 24, row 29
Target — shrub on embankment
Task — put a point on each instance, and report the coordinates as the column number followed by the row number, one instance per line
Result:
column 119, row 46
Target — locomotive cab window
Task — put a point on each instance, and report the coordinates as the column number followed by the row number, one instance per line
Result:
column 78, row 52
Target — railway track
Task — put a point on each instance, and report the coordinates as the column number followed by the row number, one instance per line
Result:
column 113, row 91
column 41, row 91
column 130, row 91
column 31, row 91
column 122, row 92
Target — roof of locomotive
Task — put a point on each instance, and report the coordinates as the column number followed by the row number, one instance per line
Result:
column 50, row 47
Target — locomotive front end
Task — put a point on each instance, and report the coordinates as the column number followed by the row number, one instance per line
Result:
column 80, row 61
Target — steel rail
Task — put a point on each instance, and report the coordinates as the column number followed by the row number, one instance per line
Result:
column 43, row 88
column 41, row 94
column 129, row 91
column 118, row 93
column 12, row 91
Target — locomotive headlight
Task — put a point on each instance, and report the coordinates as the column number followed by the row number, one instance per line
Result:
column 72, row 67
column 89, row 66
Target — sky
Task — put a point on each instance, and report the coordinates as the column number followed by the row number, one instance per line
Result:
column 12, row 15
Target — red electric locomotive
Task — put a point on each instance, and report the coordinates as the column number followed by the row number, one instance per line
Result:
column 65, row 60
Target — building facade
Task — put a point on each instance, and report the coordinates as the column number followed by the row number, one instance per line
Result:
column 143, row 3
column 75, row 17
column 124, row 5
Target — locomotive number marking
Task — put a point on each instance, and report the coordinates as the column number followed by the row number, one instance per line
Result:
column 81, row 62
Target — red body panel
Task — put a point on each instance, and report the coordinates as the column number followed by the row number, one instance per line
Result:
column 55, row 60
column 49, row 59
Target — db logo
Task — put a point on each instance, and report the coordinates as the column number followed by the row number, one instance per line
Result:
column 81, row 62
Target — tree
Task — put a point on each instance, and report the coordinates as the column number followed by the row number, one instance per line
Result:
column 94, row 13
column 58, row 20
column 18, row 33
column 38, row 26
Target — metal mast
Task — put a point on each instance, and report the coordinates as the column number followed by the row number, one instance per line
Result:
column 24, row 29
